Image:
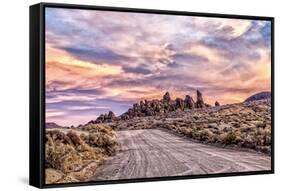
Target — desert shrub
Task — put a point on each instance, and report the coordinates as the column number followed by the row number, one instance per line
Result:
column 206, row 135
column 249, row 142
column 267, row 138
column 188, row 132
column 98, row 139
column 67, row 154
column 83, row 136
column 53, row 175
column 70, row 156
column 229, row 138
column 56, row 136
column 75, row 139
column 98, row 128
column 56, row 153
column 247, row 129
column 102, row 140
column 101, row 136
column 261, row 124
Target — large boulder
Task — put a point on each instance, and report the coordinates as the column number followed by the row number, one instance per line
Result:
column 217, row 103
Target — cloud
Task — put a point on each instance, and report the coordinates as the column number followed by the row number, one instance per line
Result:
column 139, row 70
column 187, row 58
column 98, row 61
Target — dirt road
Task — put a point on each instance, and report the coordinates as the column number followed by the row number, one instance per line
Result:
column 157, row 153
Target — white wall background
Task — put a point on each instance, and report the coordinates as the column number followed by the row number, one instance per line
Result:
column 14, row 51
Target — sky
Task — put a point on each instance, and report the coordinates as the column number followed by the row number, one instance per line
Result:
column 97, row 61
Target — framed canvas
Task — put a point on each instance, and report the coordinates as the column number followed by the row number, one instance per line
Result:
column 123, row 95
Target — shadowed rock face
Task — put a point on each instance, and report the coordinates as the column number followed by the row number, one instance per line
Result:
column 166, row 97
column 107, row 117
column 188, row 102
column 179, row 104
column 200, row 101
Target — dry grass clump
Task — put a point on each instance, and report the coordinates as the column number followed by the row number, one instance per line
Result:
column 102, row 136
column 102, row 140
column 229, row 138
column 102, row 128
column 72, row 158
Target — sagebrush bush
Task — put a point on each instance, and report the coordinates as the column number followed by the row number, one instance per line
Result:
column 229, row 138
column 98, row 139
column 99, row 128
column 206, row 135
column 67, row 153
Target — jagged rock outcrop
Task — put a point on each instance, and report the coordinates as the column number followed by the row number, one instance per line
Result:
column 189, row 102
column 155, row 107
column 200, row 101
column 217, row 103
column 165, row 105
column 166, row 97
column 179, row 104
column 107, row 117
column 111, row 115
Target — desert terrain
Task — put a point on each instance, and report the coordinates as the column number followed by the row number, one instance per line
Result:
column 163, row 138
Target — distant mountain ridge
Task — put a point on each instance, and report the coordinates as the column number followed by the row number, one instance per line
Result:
column 259, row 96
column 52, row 125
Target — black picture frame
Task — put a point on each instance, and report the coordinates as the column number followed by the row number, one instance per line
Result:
column 37, row 93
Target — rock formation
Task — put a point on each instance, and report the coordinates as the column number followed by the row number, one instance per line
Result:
column 166, row 97
column 179, row 104
column 200, row 101
column 155, row 107
column 217, row 103
column 165, row 105
column 188, row 102
column 107, row 117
